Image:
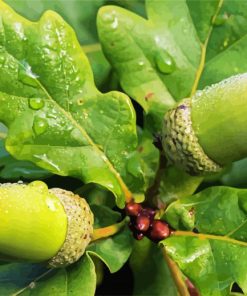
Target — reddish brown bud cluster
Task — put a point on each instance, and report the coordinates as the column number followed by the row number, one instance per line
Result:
column 142, row 223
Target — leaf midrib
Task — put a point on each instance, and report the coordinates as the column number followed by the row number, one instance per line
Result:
column 204, row 50
column 203, row 236
column 90, row 141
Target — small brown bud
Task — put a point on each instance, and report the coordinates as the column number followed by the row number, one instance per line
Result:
column 133, row 209
column 142, row 223
column 159, row 231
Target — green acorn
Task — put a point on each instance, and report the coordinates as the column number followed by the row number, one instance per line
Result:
column 38, row 224
column 208, row 131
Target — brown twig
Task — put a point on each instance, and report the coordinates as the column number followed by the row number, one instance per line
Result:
column 153, row 190
column 176, row 275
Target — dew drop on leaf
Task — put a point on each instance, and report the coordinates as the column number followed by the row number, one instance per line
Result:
column 114, row 24
column 39, row 185
column 226, row 41
column 140, row 64
column 25, row 74
column 220, row 19
column 40, row 125
column 108, row 17
column 165, row 62
column 111, row 19
column 36, row 103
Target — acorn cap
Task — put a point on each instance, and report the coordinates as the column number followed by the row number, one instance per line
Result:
column 79, row 229
column 181, row 144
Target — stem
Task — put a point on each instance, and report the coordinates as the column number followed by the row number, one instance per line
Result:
column 152, row 191
column 209, row 236
column 177, row 275
column 104, row 232
column 91, row 47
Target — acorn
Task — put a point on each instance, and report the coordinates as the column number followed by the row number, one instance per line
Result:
column 204, row 133
column 42, row 225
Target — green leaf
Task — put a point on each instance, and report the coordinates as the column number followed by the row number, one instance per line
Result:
column 103, row 216
column 214, row 258
column 101, row 68
column 96, row 195
column 82, row 278
column 182, row 46
column 13, row 169
column 60, row 121
column 15, row 276
column 26, row 279
column 226, row 34
column 153, row 57
column 79, row 14
column 137, row 6
column 113, row 251
column 151, row 274
column 236, row 175
column 149, row 155
column 176, row 184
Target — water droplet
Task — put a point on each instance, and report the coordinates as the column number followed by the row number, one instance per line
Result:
column 25, row 74
column 165, row 62
column 111, row 19
column 41, row 186
column 51, row 204
column 108, row 17
column 226, row 41
column 140, row 64
column 114, row 24
column 40, row 125
column 36, row 103
column 220, row 19
column 19, row 30
column 76, row 134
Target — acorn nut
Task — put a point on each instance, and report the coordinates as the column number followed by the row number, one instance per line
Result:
column 38, row 224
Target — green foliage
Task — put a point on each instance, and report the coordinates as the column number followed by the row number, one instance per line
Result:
column 175, row 35
column 151, row 273
column 113, row 251
column 12, row 169
column 20, row 279
column 61, row 121
column 215, row 258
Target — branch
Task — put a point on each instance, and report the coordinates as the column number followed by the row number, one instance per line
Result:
column 105, row 232
column 153, row 190
column 177, row 275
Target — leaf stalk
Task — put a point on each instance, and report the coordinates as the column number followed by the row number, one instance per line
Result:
column 108, row 231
